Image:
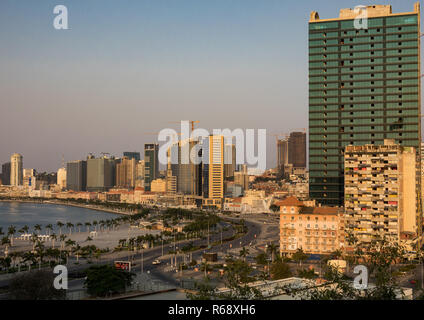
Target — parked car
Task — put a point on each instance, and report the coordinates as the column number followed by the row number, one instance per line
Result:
column 155, row 262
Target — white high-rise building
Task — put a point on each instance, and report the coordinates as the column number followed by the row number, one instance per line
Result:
column 16, row 169
column 61, row 178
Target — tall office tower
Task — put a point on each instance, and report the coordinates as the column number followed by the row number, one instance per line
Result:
column 241, row 177
column 61, row 178
column 76, row 175
column 229, row 160
column 5, row 173
column 282, row 155
column 100, row 174
column 126, row 173
column 132, row 155
column 139, row 174
column 364, row 87
column 380, row 192
column 213, row 169
column 151, row 164
column 188, row 175
column 16, row 170
column 297, row 149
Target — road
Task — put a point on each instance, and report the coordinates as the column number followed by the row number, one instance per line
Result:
column 149, row 255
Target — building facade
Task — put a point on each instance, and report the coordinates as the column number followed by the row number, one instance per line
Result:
column 76, row 175
column 364, row 87
column 16, row 170
column 100, row 174
column 126, row 173
column 314, row 230
column 213, row 170
column 5, row 173
column 61, row 178
column 297, row 149
column 187, row 173
column 151, row 164
column 381, row 192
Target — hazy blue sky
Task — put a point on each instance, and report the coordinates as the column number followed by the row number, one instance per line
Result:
column 130, row 67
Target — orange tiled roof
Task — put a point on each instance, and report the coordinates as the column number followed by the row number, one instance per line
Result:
column 290, row 201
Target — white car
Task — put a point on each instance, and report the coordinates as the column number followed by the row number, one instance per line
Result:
column 155, row 262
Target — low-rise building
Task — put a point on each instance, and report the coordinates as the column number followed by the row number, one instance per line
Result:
column 315, row 230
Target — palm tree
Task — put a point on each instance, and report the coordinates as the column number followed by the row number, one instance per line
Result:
column 37, row 227
column 95, row 225
column 1, row 231
column 69, row 225
column 88, row 225
column 5, row 241
column 60, row 225
column 272, row 248
column 11, row 231
column 62, row 238
column 79, row 225
column 243, row 253
column 77, row 251
column 34, row 240
column 53, row 236
column 49, row 227
column 25, row 229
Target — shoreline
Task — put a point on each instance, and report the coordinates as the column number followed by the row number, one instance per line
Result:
column 53, row 202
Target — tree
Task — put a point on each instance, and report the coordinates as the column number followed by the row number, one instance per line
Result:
column 49, row 227
column 272, row 248
column 280, row 270
column 236, row 279
column 243, row 253
column 299, row 256
column 103, row 280
column 379, row 258
column 262, row 259
column 274, row 208
column 37, row 227
column 60, row 225
column 35, row 285
column 11, row 232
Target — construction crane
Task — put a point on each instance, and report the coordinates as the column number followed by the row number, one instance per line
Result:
column 192, row 122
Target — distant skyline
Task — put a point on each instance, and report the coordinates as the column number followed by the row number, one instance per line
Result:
column 126, row 68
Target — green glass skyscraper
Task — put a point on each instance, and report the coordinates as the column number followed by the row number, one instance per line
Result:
column 364, row 87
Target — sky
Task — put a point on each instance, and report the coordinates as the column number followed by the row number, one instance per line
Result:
column 124, row 70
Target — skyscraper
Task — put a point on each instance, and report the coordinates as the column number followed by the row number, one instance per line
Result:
column 16, row 170
column 188, row 176
column 5, row 173
column 61, row 178
column 132, row 155
column 76, row 175
column 297, row 149
column 229, row 160
column 213, row 170
column 100, row 174
column 151, row 164
column 364, row 87
column 282, row 155
column 126, row 173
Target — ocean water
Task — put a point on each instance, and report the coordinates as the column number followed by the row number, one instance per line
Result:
column 20, row 214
